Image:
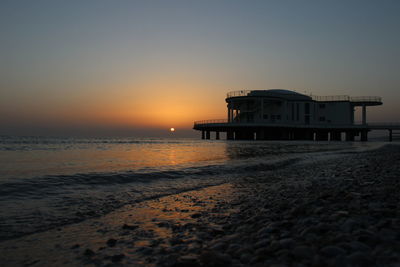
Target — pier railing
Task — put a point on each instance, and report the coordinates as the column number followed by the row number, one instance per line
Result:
column 211, row 121
column 346, row 98
column 366, row 99
column 371, row 125
column 318, row 98
column 273, row 124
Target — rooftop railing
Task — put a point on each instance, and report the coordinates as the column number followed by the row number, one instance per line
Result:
column 330, row 98
column 318, row 98
column 238, row 93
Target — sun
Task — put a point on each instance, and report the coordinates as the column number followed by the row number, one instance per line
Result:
column 172, row 129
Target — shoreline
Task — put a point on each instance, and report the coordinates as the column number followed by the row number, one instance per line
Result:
column 333, row 212
column 130, row 231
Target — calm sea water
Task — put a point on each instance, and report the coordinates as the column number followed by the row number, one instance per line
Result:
column 48, row 182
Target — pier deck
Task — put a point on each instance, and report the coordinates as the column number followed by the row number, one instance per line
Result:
column 280, row 131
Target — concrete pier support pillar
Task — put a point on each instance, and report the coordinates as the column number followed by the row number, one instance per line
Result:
column 203, row 134
column 336, row 136
column 291, row 135
column 350, row 136
column 208, row 135
column 364, row 135
column 322, row 136
column 216, row 135
column 229, row 135
column 364, row 115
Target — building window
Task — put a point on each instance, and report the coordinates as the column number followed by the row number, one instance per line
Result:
column 321, row 105
column 278, row 117
column 265, row 116
column 321, row 118
column 297, row 111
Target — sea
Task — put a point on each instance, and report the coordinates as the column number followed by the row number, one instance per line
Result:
column 48, row 182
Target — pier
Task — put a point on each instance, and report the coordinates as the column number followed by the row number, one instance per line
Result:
column 254, row 131
column 280, row 114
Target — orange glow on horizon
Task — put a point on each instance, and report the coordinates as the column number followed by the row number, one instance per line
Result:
column 153, row 105
column 160, row 105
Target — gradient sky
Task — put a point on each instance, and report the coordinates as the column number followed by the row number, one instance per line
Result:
column 137, row 68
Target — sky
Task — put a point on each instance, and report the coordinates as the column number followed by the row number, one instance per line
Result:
column 137, row 68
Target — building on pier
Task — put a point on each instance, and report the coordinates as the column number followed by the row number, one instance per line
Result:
column 277, row 106
column 279, row 114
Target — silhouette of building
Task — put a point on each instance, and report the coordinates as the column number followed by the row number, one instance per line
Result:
column 279, row 114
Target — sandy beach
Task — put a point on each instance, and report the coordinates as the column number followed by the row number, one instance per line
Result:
column 329, row 212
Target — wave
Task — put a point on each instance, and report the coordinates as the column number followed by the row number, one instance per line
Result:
column 50, row 184
column 29, row 205
column 37, row 140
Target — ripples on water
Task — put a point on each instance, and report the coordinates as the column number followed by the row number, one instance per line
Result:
column 47, row 182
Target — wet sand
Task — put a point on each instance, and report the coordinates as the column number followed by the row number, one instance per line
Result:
column 342, row 211
column 135, row 231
